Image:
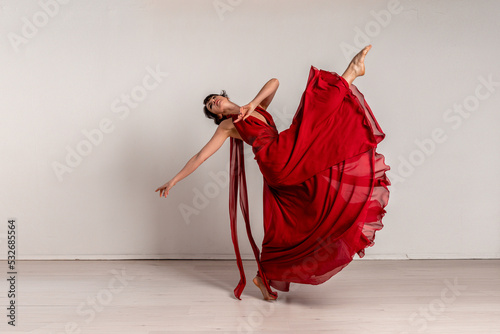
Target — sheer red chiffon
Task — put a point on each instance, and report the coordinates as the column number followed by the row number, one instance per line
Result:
column 325, row 187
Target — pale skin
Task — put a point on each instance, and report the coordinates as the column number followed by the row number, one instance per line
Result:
column 220, row 106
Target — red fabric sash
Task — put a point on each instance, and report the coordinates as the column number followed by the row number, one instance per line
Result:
column 237, row 179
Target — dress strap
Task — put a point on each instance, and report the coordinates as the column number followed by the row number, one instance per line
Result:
column 237, row 179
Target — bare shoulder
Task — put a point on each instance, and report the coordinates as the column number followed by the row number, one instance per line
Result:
column 228, row 126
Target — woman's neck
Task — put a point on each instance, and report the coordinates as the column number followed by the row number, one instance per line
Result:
column 233, row 109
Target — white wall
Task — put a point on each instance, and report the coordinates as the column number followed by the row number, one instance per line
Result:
column 72, row 73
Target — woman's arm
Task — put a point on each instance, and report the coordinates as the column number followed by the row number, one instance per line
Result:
column 224, row 130
column 263, row 99
column 266, row 94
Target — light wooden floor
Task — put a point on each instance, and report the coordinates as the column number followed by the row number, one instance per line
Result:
column 173, row 296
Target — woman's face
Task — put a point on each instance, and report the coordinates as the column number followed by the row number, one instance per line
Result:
column 217, row 104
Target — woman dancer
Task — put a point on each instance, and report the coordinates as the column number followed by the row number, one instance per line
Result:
column 325, row 186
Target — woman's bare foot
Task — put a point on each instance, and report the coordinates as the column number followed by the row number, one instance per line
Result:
column 356, row 67
column 260, row 284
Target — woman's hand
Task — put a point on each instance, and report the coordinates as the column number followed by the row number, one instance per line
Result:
column 164, row 189
column 245, row 112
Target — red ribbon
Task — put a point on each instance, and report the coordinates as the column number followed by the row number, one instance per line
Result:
column 237, row 179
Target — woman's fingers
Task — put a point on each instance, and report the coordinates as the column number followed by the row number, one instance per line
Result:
column 247, row 115
column 240, row 116
column 242, row 113
column 162, row 191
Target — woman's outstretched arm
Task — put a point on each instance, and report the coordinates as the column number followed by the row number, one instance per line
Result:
column 263, row 99
column 224, row 130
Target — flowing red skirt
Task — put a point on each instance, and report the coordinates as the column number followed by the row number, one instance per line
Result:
column 325, row 187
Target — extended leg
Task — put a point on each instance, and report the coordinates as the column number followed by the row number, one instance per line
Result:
column 356, row 67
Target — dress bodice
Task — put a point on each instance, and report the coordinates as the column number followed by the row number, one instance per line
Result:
column 256, row 132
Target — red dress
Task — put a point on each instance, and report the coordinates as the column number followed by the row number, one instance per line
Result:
column 325, row 187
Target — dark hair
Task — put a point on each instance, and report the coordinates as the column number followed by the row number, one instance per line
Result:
column 207, row 112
